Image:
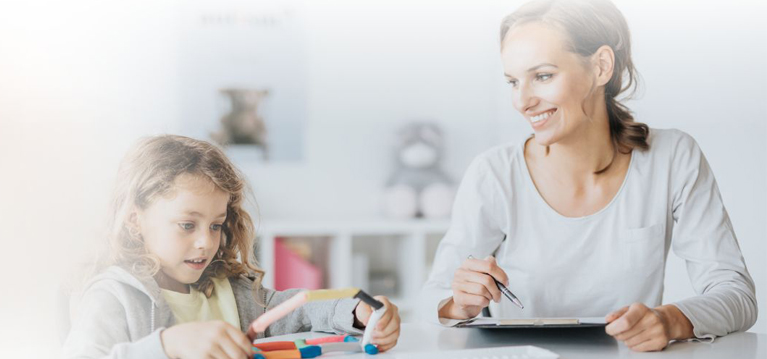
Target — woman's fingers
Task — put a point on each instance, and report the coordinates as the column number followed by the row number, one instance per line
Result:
column 480, row 278
column 628, row 320
column 487, row 266
column 616, row 314
column 466, row 293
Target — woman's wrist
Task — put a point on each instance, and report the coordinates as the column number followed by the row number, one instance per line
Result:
column 679, row 326
column 446, row 310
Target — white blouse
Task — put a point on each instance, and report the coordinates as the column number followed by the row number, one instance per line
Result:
column 590, row 266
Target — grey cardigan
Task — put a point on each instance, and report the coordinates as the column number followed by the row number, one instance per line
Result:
column 120, row 316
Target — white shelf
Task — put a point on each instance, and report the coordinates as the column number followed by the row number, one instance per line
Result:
column 411, row 256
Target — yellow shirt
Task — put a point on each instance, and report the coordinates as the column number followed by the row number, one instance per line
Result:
column 195, row 307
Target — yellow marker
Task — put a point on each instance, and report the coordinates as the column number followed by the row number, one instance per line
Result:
column 327, row 294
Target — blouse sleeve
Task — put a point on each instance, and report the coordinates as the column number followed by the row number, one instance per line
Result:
column 474, row 229
column 704, row 238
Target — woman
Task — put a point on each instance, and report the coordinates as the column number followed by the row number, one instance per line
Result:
column 581, row 216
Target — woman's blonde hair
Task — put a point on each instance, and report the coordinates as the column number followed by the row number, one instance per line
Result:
column 589, row 25
column 149, row 171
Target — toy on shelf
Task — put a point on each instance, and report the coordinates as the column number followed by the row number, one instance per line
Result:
column 311, row 348
column 419, row 187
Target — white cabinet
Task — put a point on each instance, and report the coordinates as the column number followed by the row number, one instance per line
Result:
column 385, row 257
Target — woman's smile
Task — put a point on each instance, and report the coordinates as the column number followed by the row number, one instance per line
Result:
column 540, row 120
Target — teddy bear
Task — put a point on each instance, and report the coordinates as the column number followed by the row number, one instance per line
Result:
column 418, row 187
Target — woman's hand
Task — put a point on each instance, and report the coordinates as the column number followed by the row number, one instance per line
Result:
column 386, row 332
column 215, row 339
column 644, row 329
column 474, row 288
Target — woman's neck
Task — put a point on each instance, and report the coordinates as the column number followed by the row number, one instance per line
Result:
column 584, row 152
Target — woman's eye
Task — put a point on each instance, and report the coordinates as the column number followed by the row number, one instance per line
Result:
column 513, row 83
column 186, row 226
column 216, row 227
column 543, row 77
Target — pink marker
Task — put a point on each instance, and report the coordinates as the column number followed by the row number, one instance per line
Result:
column 331, row 339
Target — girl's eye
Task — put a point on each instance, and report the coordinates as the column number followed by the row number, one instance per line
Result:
column 186, row 226
column 216, row 227
column 513, row 83
column 543, row 77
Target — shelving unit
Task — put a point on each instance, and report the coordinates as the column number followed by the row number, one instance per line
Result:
column 383, row 257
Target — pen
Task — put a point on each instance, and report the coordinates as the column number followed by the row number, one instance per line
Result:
column 513, row 298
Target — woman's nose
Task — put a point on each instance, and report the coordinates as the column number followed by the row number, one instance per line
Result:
column 523, row 98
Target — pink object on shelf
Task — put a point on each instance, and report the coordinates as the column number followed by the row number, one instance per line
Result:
column 292, row 271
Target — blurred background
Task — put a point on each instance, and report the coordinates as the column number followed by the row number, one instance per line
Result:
column 333, row 83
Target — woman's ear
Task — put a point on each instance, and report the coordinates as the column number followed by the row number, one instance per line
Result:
column 603, row 61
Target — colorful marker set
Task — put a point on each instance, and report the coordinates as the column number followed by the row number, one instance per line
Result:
column 261, row 323
column 310, row 348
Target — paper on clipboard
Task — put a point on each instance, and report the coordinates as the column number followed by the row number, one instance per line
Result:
column 484, row 322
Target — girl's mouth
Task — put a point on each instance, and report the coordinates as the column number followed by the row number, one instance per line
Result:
column 196, row 264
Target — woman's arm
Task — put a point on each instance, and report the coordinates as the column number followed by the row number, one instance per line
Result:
column 704, row 238
column 474, row 230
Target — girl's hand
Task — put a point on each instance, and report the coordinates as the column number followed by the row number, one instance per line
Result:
column 474, row 288
column 386, row 332
column 215, row 339
column 643, row 329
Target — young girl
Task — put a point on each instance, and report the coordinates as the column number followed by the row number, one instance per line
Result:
column 179, row 281
column 581, row 216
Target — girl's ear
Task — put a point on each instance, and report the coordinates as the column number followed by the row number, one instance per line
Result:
column 134, row 223
column 604, row 64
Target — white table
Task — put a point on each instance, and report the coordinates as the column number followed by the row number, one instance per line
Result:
column 568, row 343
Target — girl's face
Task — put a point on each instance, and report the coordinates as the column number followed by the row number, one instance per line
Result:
column 549, row 83
column 183, row 229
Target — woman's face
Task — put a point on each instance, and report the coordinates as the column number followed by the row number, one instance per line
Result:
column 549, row 83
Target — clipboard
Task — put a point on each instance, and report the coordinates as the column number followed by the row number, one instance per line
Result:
column 532, row 323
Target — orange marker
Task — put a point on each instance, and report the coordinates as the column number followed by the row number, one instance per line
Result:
column 282, row 354
column 272, row 346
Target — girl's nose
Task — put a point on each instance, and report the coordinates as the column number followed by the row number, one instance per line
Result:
column 205, row 240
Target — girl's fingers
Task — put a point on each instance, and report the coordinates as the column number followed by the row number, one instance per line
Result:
column 240, row 341
column 384, row 320
column 232, row 349
column 391, row 328
column 217, row 352
column 388, row 342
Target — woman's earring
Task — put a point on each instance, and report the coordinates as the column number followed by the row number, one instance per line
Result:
column 220, row 253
